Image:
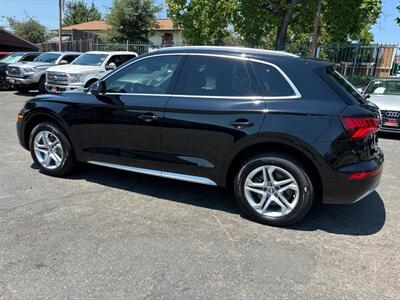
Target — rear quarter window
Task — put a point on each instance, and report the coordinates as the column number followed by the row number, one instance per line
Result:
column 271, row 81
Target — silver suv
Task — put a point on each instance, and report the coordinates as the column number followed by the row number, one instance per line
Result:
column 26, row 76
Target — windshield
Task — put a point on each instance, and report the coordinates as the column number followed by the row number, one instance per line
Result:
column 344, row 83
column 12, row 58
column 47, row 57
column 90, row 59
column 384, row 87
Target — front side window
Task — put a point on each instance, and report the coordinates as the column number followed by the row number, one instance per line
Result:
column 217, row 76
column 148, row 76
column 90, row 59
column 69, row 58
column 47, row 57
column 271, row 81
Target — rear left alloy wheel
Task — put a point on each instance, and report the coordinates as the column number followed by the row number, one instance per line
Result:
column 51, row 150
column 274, row 189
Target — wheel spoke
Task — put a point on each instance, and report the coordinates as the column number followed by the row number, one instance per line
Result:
column 261, row 203
column 255, row 190
column 283, row 182
column 264, row 209
column 56, row 158
column 284, row 201
column 284, row 208
column 287, row 187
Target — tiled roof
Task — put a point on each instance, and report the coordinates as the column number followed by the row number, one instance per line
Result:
column 162, row 24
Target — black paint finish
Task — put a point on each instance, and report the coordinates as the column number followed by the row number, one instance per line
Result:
column 204, row 136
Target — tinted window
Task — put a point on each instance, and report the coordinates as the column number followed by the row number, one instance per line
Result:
column 90, row 59
column 116, row 59
column 215, row 76
column 47, row 57
column 127, row 57
column 272, row 82
column 30, row 57
column 344, row 83
column 70, row 58
column 149, row 76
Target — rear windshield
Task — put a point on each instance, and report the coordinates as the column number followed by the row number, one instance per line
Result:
column 384, row 87
column 341, row 85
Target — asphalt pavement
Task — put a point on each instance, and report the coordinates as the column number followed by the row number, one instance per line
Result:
column 109, row 234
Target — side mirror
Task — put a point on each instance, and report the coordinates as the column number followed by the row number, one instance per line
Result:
column 360, row 90
column 98, row 88
column 111, row 66
column 64, row 62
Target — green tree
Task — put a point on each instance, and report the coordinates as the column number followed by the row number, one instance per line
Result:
column 353, row 20
column 398, row 18
column 28, row 29
column 203, row 21
column 77, row 11
column 131, row 20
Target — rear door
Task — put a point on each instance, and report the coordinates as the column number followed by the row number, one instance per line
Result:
column 216, row 106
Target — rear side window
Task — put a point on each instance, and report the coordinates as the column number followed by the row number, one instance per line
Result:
column 340, row 85
column 272, row 82
column 217, row 76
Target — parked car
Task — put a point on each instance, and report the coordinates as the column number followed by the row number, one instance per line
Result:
column 10, row 59
column 26, row 76
column 385, row 93
column 85, row 70
column 282, row 131
column 3, row 54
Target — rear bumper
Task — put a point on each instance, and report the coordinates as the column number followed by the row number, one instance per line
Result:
column 339, row 189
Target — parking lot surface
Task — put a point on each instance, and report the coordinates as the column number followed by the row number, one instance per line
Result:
column 103, row 233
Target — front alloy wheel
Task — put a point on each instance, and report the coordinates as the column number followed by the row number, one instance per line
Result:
column 48, row 150
column 51, row 149
column 274, row 188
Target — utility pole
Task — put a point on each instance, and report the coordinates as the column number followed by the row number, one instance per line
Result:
column 316, row 29
column 60, row 25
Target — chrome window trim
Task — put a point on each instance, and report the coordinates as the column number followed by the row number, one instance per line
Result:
column 243, row 57
column 171, row 175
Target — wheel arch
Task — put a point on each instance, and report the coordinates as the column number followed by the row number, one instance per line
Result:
column 40, row 117
column 303, row 155
column 90, row 80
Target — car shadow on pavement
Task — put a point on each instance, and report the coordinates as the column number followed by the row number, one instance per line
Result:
column 365, row 217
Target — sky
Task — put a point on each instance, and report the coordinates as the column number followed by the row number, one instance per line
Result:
column 385, row 31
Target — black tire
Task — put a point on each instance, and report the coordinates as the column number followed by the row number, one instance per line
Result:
column 22, row 89
column 68, row 161
column 42, row 85
column 294, row 168
column 5, row 85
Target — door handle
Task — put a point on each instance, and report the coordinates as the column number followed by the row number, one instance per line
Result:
column 242, row 123
column 148, row 117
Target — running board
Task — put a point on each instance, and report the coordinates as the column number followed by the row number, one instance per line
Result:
column 177, row 176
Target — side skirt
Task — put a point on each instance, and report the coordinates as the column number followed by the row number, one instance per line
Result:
column 178, row 176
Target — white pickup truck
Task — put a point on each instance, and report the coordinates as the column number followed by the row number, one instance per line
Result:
column 85, row 70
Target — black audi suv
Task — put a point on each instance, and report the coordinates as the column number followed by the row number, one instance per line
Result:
column 280, row 130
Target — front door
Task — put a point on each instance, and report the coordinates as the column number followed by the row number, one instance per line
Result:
column 124, row 126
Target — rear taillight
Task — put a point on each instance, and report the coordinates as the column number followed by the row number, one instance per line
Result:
column 360, row 127
column 365, row 174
